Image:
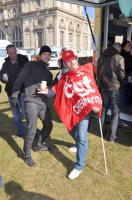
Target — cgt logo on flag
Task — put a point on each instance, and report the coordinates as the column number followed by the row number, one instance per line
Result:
column 83, row 89
column 76, row 96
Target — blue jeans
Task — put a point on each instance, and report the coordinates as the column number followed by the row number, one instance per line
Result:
column 80, row 133
column 18, row 114
column 1, row 181
column 111, row 100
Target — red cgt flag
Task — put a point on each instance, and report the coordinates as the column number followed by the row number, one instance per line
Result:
column 76, row 96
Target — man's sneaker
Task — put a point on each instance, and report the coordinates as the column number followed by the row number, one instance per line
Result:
column 73, row 149
column 74, row 174
column 42, row 147
column 29, row 161
column 112, row 140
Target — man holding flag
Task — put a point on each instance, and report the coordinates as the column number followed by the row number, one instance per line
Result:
column 76, row 96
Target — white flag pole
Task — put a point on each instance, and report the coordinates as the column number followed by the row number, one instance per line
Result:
column 101, row 132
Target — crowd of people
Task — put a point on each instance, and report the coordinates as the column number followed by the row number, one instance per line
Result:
column 30, row 84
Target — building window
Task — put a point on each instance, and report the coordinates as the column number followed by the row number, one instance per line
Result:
column 17, row 36
column 78, row 9
column 70, row 38
column 39, row 38
column 62, row 5
column 20, row 10
column 50, row 37
column 61, row 38
column 85, row 43
column 38, row 2
column 9, row 13
column 14, row 12
column 1, row 14
column 78, row 41
column 2, row 35
column 86, row 28
column 40, row 22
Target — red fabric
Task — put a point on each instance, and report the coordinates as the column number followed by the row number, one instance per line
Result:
column 68, row 56
column 76, row 95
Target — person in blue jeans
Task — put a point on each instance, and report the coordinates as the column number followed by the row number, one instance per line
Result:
column 1, row 181
column 11, row 68
column 79, row 131
column 80, row 135
column 18, row 114
column 111, row 100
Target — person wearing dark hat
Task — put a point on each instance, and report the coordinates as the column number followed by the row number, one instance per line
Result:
column 35, row 75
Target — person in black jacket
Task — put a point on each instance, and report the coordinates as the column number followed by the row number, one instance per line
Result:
column 126, row 53
column 110, row 74
column 10, row 70
column 35, row 104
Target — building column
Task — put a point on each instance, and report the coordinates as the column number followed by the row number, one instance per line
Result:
column 32, row 34
column 56, row 32
column 66, row 35
column 98, row 27
column 74, row 36
column 27, row 37
column 45, row 30
column 81, row 39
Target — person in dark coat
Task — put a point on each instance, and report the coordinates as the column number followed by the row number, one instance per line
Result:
column 126, row 53
column 11, row 68
column 32, row 76
column 111, row 72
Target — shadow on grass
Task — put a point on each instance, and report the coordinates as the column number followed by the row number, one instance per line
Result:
column 52, row 111
column 5, row 102
column 95, row 170
column 67, row 163
column 124, row 135
column 61, row 142
column 6, row 129
column 15, row 192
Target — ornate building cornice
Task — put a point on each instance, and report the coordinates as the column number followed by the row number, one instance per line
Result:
column 52, row 11
column 10, row 2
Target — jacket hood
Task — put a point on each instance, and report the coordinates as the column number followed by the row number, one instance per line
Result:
column 111, row 51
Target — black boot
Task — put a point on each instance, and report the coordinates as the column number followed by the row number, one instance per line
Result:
column 28, row 141
column 40, row 147
column 29, row 161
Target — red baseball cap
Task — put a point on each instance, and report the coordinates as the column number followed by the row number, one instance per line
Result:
column 68, row 56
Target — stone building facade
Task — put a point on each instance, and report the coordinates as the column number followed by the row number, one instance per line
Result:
column 32, row 23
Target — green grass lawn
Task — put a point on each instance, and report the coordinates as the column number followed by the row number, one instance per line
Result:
column 48, row 181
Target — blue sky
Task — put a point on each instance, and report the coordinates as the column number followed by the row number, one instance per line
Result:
column 91, row 12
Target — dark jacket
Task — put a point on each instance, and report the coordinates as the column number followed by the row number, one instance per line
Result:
column 110, row 70
column 12, row 70
column 128, row 62
column 31, row 76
